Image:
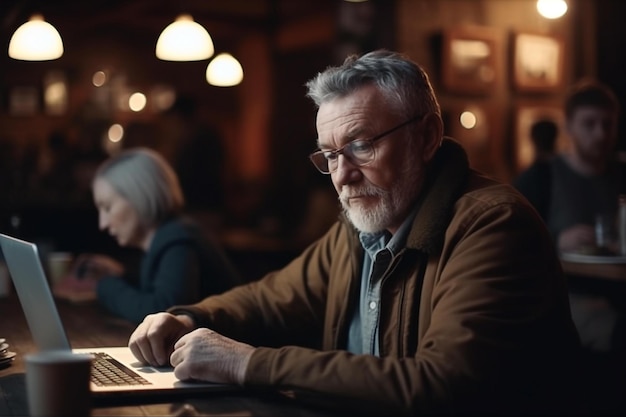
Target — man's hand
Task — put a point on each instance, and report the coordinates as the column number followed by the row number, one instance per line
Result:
column 153, row 340
column 208, row 356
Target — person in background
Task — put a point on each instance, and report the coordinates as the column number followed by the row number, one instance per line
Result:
column 140, row 204
column 585, row 184
column 437, row 291
column 585, row 179
column 534, row 182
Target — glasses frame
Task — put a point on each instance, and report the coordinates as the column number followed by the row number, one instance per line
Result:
column 371, row 142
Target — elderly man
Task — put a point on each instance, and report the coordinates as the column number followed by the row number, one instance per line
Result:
column 438, row 290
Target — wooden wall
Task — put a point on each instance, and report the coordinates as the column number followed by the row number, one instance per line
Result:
column 420, row 27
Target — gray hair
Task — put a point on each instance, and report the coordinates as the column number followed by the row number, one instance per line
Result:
column 403, row 83
column 146, row 180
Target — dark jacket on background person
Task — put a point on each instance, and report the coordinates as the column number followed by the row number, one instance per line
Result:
column 535, row 184
column 474, row 311
column 577, row 199
column 181, row 266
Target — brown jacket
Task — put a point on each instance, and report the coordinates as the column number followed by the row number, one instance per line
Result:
column 474, row 311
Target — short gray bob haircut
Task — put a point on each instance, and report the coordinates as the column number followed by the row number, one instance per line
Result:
column 403, row 83
column 147, row 181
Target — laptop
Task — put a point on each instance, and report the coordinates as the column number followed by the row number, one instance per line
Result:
column 24, row 264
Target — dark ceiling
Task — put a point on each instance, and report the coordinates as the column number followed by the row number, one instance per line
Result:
column 222, row 18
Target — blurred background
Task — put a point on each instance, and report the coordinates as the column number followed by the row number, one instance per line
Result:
column 241, row 150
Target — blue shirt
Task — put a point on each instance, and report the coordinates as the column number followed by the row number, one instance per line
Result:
column 380, row 248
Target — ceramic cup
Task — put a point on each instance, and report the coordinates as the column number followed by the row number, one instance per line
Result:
column 59, row 265
column 57, row 383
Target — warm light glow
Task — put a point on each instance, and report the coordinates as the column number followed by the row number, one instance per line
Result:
column 468, row 120
column 115, row 133
column 162, row 97
column 55, row 94
column 111, row 147
column 551, row 9
column 99, row 78
column 184, row 40
column 36, row 40
column 137, row 102
column 224, row 71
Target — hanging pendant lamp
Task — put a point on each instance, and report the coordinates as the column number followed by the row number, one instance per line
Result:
column 224, row 71
column 184, row 40
column 36, row 40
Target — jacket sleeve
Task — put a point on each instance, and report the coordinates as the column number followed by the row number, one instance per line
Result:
column 173, row 279
column 284, row 307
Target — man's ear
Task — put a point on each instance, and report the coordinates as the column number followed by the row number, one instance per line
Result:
column 432, row 134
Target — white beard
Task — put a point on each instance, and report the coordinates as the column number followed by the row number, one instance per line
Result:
column 366, row 219
column 391, row 203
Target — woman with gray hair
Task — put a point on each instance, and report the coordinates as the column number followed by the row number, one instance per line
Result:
column 140, row 204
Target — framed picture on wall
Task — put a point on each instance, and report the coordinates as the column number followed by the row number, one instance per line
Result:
column 469, row 59
column 537, row 62
column 23, row 101
column 526, row 115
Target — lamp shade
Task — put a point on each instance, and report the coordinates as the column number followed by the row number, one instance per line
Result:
column 224, row 71
column 184, row 40
column 36, row 40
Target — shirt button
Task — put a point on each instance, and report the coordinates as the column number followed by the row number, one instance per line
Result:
column 372, row 305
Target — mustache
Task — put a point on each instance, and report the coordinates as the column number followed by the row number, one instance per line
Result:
column 361, row 191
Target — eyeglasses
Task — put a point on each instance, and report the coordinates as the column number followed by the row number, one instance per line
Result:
column 360, row 152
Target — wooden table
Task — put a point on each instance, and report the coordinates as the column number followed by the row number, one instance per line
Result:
column 87, row 325
column 613, row 272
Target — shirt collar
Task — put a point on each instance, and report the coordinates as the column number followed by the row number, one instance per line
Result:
column 373, row 242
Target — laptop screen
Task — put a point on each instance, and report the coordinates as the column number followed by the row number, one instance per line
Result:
column 32, row 288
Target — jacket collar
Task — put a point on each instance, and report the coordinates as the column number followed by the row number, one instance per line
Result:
column 446, row 178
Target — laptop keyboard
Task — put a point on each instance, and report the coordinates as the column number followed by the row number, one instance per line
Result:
column 106, row 372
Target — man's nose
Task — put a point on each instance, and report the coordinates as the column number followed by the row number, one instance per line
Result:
column 602, row 131
column 346, row 172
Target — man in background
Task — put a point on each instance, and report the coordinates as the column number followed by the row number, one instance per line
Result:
column 585, row 187
column 585, row 179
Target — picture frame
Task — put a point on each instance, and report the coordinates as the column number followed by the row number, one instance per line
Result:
column 470, row 56
column 537, row 62
column 24, row 100
column 526, row 114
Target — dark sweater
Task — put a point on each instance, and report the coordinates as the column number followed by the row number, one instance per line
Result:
column 181, row 266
